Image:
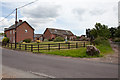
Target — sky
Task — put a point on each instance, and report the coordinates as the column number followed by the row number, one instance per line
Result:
column 74, row 15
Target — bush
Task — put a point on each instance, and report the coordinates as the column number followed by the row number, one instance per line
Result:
column 5, row 40
column 45, row 40
column 58, row 39
column 38, row 41
column 27, row 40
column 50, row 39
column 23, row 42
column 5, row 35
column 101, row 40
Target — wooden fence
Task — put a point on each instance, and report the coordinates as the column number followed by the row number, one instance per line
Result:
column 38, row 47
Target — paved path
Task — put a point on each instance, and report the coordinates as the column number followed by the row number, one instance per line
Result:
column 8, row 72
column 57, row 67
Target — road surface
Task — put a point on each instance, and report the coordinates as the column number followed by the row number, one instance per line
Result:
column 56, row 66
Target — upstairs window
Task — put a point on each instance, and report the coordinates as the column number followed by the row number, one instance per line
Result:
column 10, row 31
column 13, row 31
column 26, row 30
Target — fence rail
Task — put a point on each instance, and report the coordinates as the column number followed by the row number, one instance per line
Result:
column 38, row 47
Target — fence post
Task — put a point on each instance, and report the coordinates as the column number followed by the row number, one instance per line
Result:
column 5, row 44
column 48, row 46
column 59, row 46
column 11, row 45
column 76, row 45
column 68, row 45
column 20, row 46
column 84, row 44
column 8, row 45
column 38, row 47
column 25, row 47
column 31, row 48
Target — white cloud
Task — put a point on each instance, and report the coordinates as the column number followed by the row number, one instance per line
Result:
column 75, row 15
column 41, row 11
column 6, row 23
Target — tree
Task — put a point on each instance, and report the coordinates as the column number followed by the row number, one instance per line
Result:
column 58, row 39
column 112, row 32
column 117, row 33
column 88, row 33
column 100, row 31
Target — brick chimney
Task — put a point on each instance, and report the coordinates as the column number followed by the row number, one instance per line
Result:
column 20, row 20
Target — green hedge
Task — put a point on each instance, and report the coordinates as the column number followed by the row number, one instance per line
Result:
column 58, row 39
column 5, row 40
column 27, row 40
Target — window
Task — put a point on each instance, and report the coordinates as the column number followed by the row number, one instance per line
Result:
column 10, row 31
column 26, row 30
column 13, row 39
column 13, row 31
column 10, row 38
column 55, row 30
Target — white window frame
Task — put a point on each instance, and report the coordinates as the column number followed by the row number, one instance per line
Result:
column 13, row 31
column 26, row 30
column 13, row 39
column 10, row 31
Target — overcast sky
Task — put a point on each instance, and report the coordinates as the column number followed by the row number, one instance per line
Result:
column 74, row 15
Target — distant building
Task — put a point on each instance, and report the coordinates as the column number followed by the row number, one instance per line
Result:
column 38, row 37
column 51, row 33
column 23, row 31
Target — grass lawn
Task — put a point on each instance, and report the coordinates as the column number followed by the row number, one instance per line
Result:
column 105, row 49
column 79, row 52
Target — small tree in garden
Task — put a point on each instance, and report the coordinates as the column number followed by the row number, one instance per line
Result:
column 58, row 39
column 5, row 40
column 100, row 30
column 27, row 40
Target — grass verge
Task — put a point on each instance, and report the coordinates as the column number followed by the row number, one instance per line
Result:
column 104, row 48
column 81, row 52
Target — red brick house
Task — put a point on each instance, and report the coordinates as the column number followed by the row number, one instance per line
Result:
column 23, row 31
column 51, row 33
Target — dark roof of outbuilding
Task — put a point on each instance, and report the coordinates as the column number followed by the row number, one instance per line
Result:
column 38, row 35
column 18, row 24
column 60, row 31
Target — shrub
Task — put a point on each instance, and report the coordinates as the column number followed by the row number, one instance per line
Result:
column 27, row 40
column 5, row 40
column 38, row 41
column 50, row 39
column 5, row 35
column 23, row 42
column 58, row 39
column 101, row 40
column 45, row 40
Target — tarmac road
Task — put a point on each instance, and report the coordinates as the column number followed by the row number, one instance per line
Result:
column 57, row 67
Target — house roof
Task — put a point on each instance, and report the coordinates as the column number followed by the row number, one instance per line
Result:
column 60, row 31
column 18, row 24
column 38, row 35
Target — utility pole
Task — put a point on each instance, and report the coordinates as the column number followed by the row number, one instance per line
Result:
column 16, row 20
column 15, row 27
